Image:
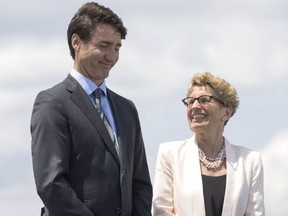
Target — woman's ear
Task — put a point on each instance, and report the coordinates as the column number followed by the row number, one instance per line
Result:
column 227, row 114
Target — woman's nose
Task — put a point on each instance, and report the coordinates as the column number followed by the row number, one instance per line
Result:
column 195, row 104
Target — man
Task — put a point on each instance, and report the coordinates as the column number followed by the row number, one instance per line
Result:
column 79, row 167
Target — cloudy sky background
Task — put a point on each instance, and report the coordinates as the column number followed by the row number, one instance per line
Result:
column 168, row 41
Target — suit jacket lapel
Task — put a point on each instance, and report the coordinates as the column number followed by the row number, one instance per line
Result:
column 189, row 180
column 231, row 162
column 80, row 98
column 198, row 206
column 117, row 115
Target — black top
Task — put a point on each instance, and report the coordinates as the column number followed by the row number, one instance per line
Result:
column 214, row 191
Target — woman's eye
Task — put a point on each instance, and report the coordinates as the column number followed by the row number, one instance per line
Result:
column 191, row 101
column 203, row 100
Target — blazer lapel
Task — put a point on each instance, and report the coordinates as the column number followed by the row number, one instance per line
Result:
column 192, row 180
column 231, row 162
column 80, row 98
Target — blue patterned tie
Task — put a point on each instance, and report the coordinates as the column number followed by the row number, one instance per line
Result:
column 98, row 92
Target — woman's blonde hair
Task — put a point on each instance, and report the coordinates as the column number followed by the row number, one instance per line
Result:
column 222, row 90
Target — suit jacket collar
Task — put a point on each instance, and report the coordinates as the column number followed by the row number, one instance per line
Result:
column 88, row 85
column 194, row 179
column 82, row 100
column 231, row 163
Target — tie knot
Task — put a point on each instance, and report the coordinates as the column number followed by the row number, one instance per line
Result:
column 98, row 93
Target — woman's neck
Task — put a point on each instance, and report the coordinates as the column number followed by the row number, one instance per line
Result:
column 210, row 145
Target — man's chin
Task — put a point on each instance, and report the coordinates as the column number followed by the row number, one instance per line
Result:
column 105, row 75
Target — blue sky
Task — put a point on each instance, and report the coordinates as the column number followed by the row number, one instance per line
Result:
column 245, row 42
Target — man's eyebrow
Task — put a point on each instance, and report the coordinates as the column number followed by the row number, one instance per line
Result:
column 109, row 43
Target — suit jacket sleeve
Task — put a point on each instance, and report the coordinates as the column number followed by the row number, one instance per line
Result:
column 50, row 155
column 256, row 195
column 163, row 202
column 142, row 188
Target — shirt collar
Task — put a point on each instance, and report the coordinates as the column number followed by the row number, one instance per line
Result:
column 88, row 85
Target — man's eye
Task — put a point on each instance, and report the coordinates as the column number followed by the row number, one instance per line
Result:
column 103, row 46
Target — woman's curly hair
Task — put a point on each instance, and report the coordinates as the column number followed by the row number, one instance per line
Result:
column 222, row 90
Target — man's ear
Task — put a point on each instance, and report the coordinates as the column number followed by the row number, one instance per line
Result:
column 75, row 42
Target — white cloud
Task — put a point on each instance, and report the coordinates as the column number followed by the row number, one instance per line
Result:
column 20, row 200
column 274, row 157
column 29, row 58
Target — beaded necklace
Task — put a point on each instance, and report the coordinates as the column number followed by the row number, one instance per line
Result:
column 212, row 163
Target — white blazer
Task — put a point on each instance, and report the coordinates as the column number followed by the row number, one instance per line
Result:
column 178, row 186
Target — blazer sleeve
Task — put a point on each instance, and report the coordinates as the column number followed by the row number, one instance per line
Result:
column 50, row 156
column 256, row 196
column 163, row 203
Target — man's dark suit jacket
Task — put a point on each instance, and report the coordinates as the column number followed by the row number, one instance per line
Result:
column 76, row 167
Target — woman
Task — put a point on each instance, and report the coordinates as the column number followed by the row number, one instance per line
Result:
column 207, row 175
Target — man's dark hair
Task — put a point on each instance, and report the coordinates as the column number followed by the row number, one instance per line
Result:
column 87, row 17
